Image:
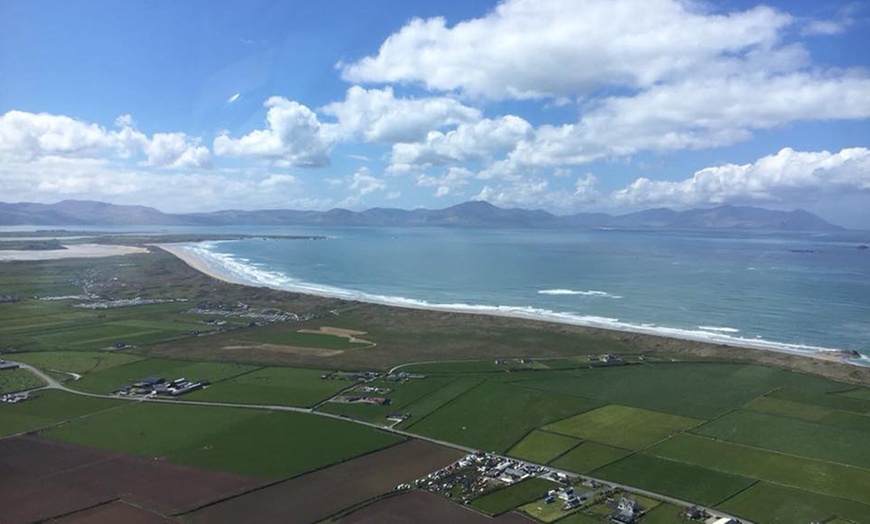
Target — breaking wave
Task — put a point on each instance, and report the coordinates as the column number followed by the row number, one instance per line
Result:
column 590, row 293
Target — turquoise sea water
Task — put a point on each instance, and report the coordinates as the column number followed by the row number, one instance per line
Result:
column 797, row 292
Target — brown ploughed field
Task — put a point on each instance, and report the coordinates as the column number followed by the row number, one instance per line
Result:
column 315, row 496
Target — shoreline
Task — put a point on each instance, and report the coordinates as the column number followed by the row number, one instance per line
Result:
column 69, row 251
column 181, row 252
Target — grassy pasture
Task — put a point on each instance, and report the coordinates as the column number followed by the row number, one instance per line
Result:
column 426, row 405
column 859, row 393
column 13, row 380
column 269, row 335
column 109, row 380
column 589, row 456
column 493, row 416
column 512, row 496
column 808, row 474
column 273, row 386
column 774, row 504
column 542, row 447
column 622, row 426
column 677, row 479
column 76, row 361
column 696, row 390
column 282, row 444
column 400, row 395
column 788, row 435
column 664, row 514
column 454, row 367
column 813, row 413
column 50, row 407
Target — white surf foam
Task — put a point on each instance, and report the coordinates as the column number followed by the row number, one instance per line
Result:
column 590, row 293
column 237, row 271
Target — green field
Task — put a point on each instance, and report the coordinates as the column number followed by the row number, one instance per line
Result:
column 696, row 390
column 772, row 504
column 47, row 408
column 808, row 474
column 278, row 445
column 589, row 456
column 542, row 447
column 813, row 413
column 493, row 416
column 13, row 380
column 401, row 395
column 513, row 496
column 283, row 337
column 76, row 361
column 684, row 481
column 438, row 398
column 623, row 426
column 273, row 386
column 788, row 435
column 664, row 514
column 244, row 441
column 109, row 380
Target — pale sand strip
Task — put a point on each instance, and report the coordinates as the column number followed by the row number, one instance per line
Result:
column 71, row 251
column 198, row 264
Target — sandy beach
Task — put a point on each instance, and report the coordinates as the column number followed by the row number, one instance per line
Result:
column 825, row 354
column 71, row 251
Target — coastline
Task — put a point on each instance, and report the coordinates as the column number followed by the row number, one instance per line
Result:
column 70, row 251
column 832, row 355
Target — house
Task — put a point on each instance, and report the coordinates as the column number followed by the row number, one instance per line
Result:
column 5, row 364
column 726, row 520
column 628, row 511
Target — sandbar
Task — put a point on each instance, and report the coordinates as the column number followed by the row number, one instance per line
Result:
column 71, row 251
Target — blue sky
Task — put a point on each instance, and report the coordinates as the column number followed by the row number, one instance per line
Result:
column 565, row 105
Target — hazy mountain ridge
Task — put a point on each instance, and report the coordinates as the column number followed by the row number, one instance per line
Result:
column 468, row 214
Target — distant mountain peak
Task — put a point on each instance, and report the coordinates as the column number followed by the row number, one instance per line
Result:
column 475, row 213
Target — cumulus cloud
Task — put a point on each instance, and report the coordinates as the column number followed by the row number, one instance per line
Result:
column 293, row 135
column 376, row 115
column 448, row 183
column 363, row 182
column 788, row 174
column 28, row 137
column 565, row 47
column 468, row 142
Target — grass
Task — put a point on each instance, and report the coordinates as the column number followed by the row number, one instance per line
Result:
column 401, row 394
column 542, row 447
column 14, row 380
column 589, row 456
column 47, row 408
column 696, row 390
column 106, row 381
column 813, row 413
column 808, row 474
column 580, row 518
column 788, row 435
column 623, row 426
column 544, row 512
column 282, row 444
column 76, row 361
column 664, row 514
column 426, row 405
column 683, row 481
column 493, row 416
column 512, row 496
column 774, row 504
column 273, row 386
column 270, row 335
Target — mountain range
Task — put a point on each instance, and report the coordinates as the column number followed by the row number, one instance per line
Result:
column 469, row 214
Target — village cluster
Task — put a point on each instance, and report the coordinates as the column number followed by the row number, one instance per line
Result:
column 151, row 386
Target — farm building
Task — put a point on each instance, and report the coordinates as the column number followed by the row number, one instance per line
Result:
column 5, row 364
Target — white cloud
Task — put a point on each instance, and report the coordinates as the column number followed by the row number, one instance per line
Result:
column 293, row 135
column 454, row 179
column 552, row 48
column 177, row 150
column 786, row 175
column 468, row 142
column 30, row 137
column 362, row 183
column 233, row 98
column 376, row 115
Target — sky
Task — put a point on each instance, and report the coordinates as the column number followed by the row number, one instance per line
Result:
column 562, row 105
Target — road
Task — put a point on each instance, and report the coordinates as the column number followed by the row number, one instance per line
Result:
column 54, row 384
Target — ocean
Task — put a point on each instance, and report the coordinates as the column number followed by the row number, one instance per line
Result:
column 793, row 292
